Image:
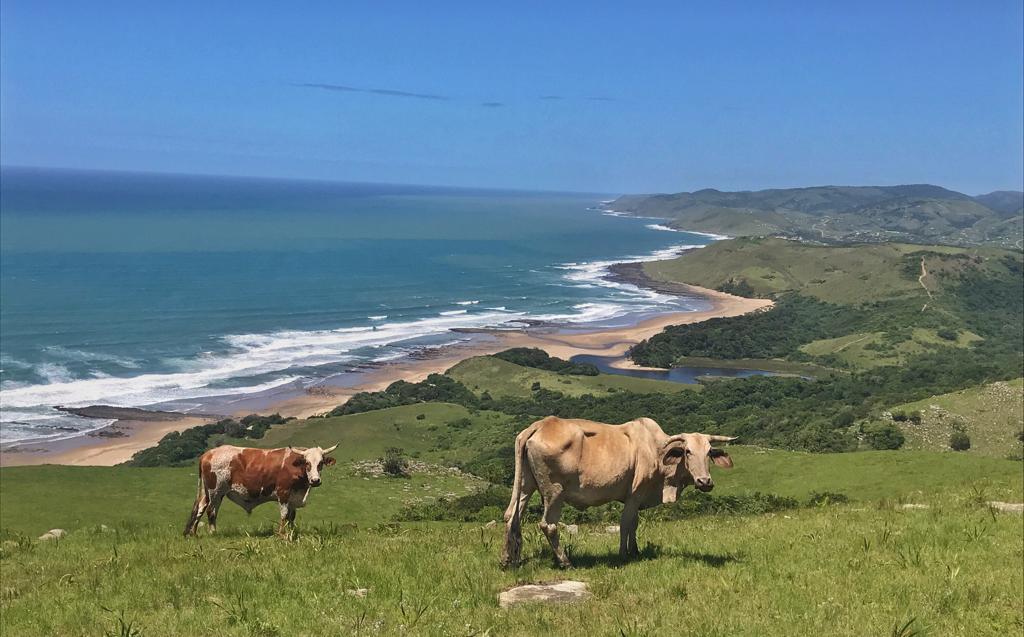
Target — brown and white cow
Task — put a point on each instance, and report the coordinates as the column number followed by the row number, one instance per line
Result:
column 586, row 463
column 250, row 477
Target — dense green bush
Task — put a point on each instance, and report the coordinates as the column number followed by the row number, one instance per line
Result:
column 539, row 359
column 489, row 504
column 178, row 448
column 959, row 441
column 436, row 388
column 883, row 436
column 394, row 463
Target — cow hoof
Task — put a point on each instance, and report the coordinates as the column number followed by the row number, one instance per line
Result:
column 564, row 565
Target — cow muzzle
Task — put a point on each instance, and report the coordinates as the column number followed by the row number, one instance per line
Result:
column 704, row 484
column 314, row 483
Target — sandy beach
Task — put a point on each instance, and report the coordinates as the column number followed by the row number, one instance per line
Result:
column 561, row 342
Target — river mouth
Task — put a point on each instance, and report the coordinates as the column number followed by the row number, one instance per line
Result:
column 688, row 375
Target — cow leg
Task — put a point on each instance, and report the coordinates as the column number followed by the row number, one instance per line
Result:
column 214, row 507
column 287, row 519
column 549, row 525
column 627, row 530
column 202, row 502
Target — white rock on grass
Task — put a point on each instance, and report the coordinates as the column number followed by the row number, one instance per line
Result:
column 53, row 534
column 613, row 528
column 915, row 506
column 358, row 592
column 1007, row 507
column 563, row 592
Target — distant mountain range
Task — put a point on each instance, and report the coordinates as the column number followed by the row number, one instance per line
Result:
column 918, row 213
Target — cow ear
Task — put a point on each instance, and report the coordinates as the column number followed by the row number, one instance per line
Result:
column 721, row 458
column 674, row 455
column 329, row 461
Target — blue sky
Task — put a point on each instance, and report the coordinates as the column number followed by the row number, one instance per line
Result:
column 589, row 96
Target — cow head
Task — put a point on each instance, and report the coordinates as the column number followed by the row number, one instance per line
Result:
column 311, row 461
column 691, row 455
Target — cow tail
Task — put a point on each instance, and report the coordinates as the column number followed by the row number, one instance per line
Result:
column 517, row 480
column 510, row 553
column 197, row 506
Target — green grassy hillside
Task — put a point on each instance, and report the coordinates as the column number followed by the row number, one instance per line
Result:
column 992, row 416
column 862, row 568
column 857, row 306
column 501, row 378
column 918, row 213
column 847, row 275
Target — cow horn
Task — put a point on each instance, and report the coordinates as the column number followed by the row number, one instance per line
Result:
column 715, row 438
column 675, row 438
column 327, row 451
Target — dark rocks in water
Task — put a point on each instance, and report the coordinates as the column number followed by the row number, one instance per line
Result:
column 633, row 274
column 108, row 412
column 109, row 432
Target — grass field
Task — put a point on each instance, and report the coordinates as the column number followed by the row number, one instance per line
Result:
column 842, row 275
column 501, row 378
column 35, row 499
column 865, row 350
column 437, row 432
column 992, row 415
column 858, row 569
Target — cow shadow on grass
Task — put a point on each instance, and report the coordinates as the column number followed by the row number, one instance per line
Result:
column 583, row 560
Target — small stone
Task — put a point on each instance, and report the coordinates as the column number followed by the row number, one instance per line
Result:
column 613, row 528
column 53, row 534
column 915, row 506
column 1007, row 507
column 491, row 524
column 358, row 592
column 572, row 529
column 563, row 592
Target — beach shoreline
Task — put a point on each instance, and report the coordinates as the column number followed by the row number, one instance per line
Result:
column 564, row 342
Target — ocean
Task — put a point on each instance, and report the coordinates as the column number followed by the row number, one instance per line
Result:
column 142, row 289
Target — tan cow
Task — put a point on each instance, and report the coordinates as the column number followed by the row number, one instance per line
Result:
column 586, row 463
column 249, row 477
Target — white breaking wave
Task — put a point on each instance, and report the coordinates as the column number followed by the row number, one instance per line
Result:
column 452, row 312
column 249, row 355
column 634, row 298
column 658, row 226
column 466, row 302
column 378, row 317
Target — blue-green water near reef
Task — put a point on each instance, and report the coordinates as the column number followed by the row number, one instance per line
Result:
column 134, row 290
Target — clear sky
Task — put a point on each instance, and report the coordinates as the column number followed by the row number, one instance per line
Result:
column 589, row 96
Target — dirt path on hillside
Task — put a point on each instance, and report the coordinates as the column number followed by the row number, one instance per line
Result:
column 920, row 279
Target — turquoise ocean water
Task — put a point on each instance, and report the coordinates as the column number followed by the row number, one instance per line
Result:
column 136, row 290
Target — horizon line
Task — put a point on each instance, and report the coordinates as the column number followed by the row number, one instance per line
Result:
column 322, row 180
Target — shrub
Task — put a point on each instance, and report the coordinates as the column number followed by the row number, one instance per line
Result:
column 844, row 418
column 915, row 417
column 394, row 463
column 947, row 334
column 899, row 416
column 539, row 359
column 884, row 436
column 180, row 448
column 959, row 441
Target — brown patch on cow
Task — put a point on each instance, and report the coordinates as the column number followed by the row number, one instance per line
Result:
column 206, row 472
column 264, row 471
